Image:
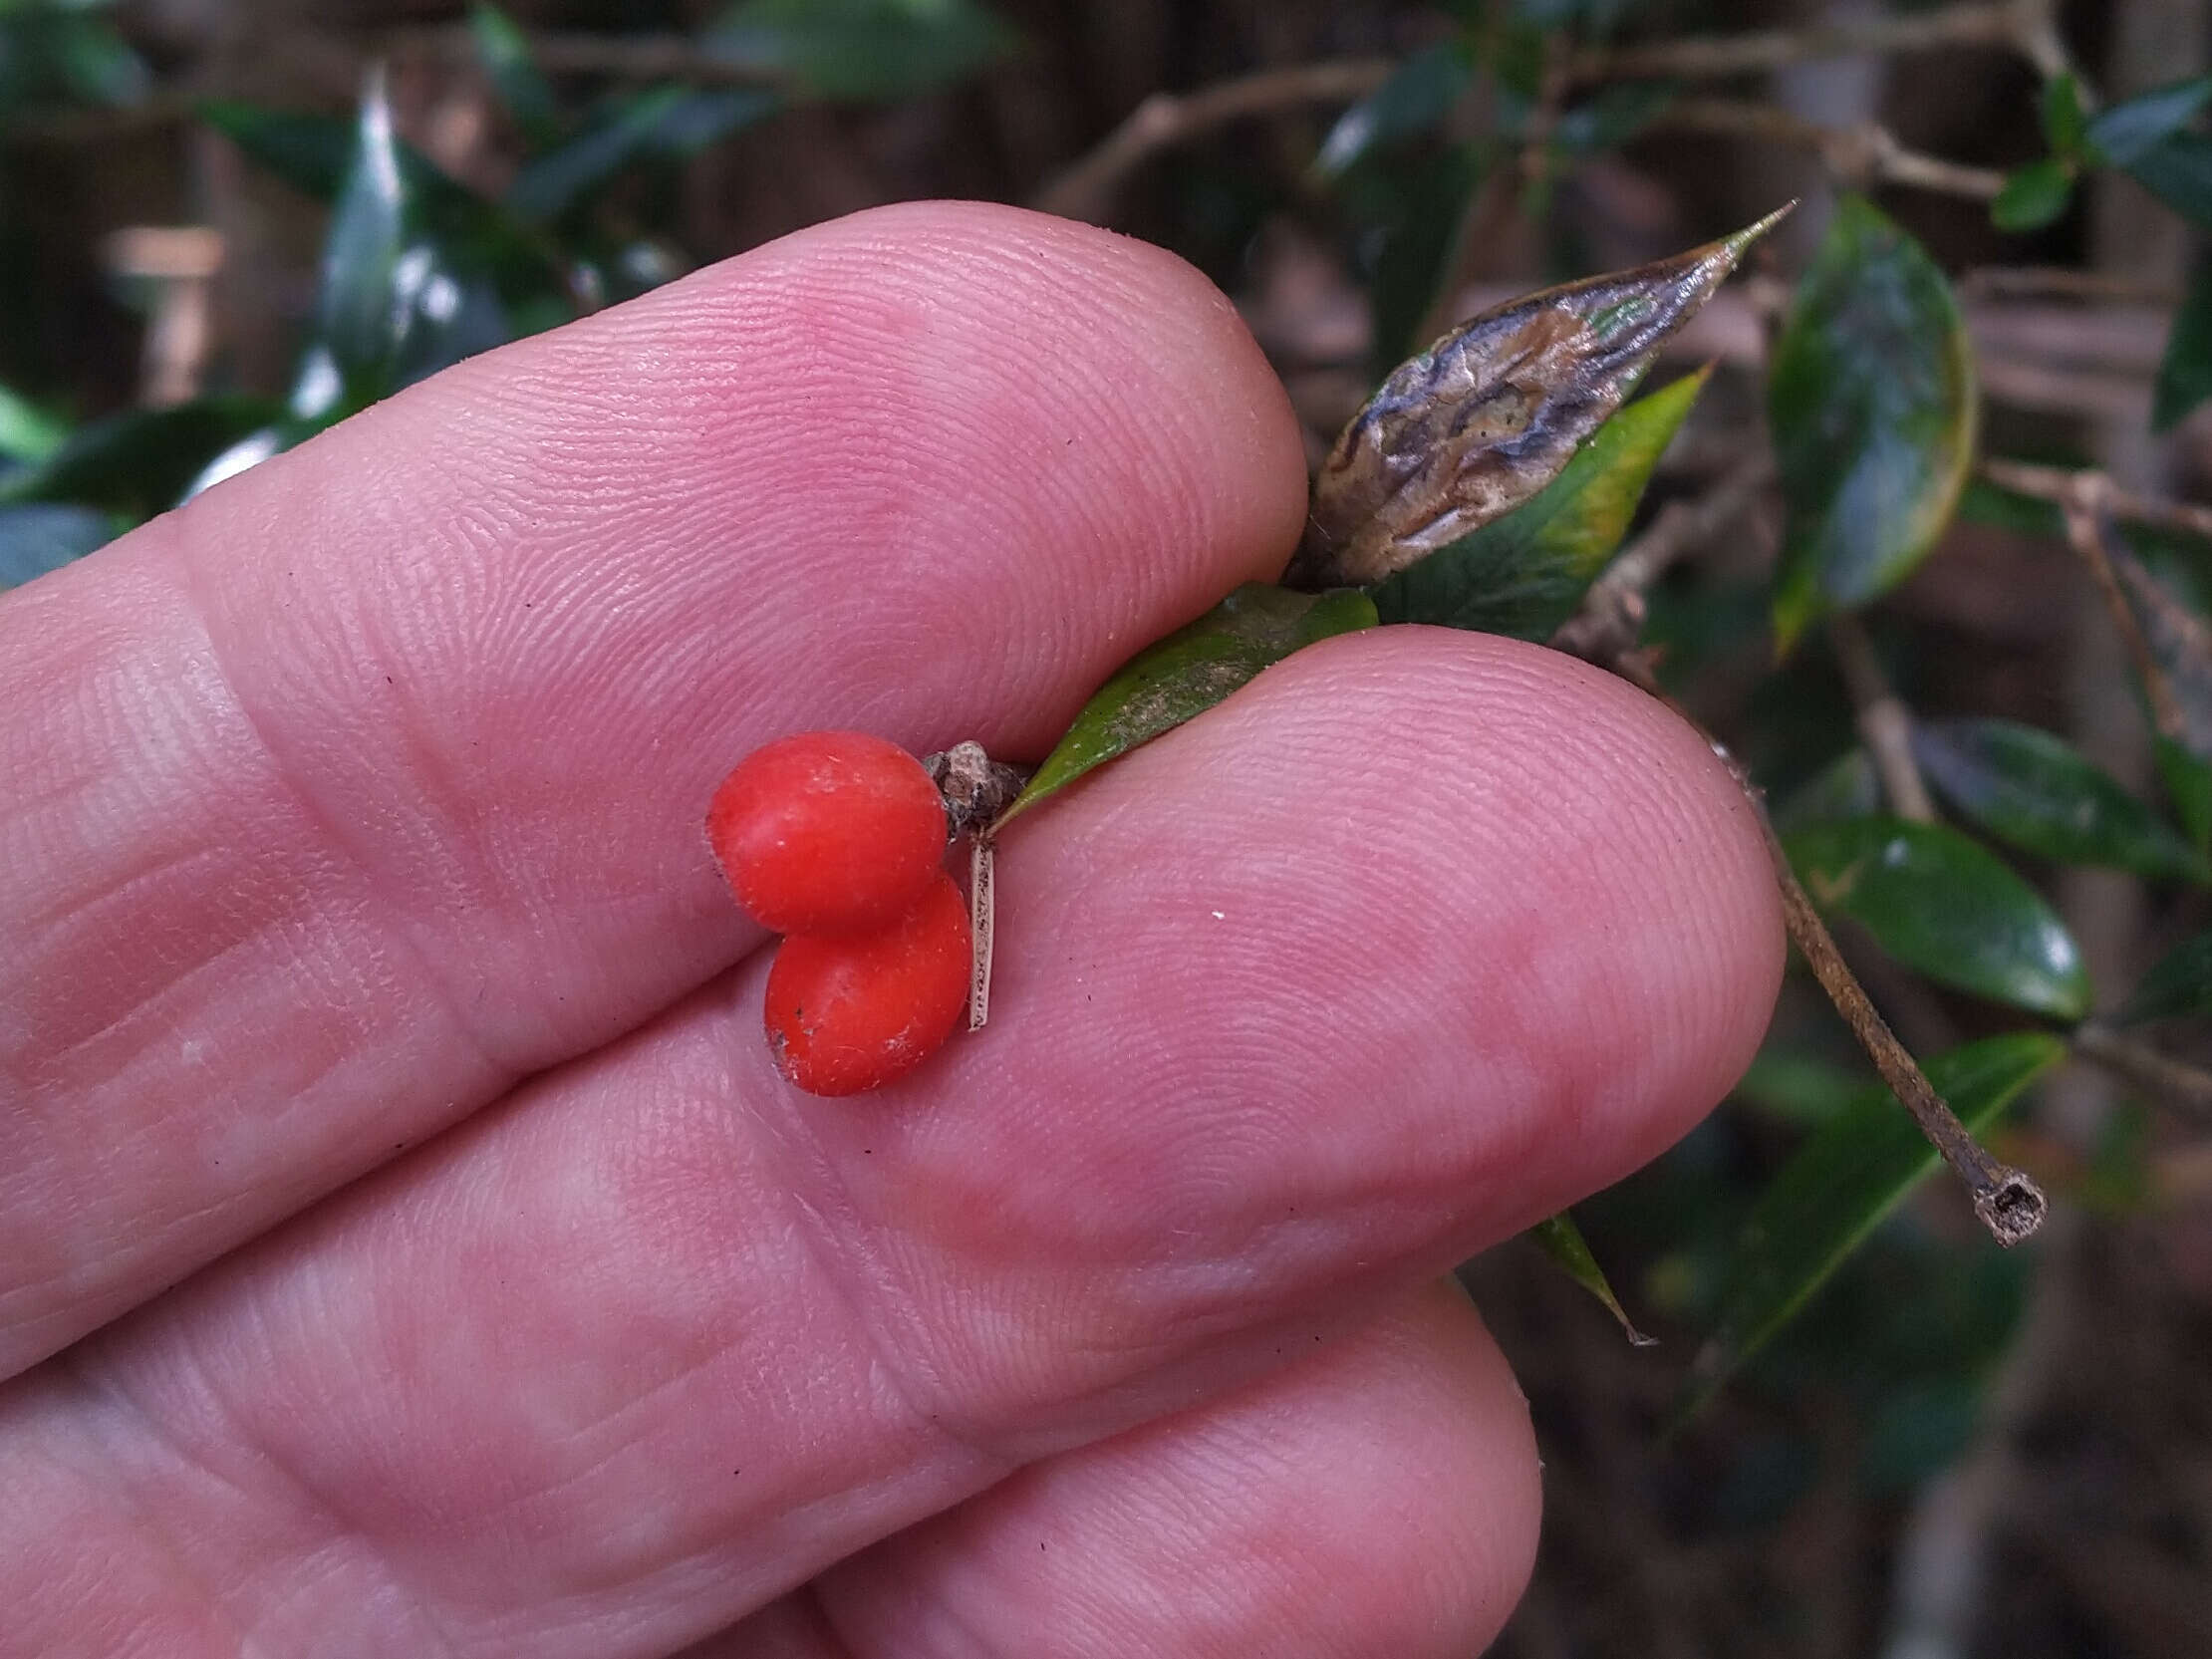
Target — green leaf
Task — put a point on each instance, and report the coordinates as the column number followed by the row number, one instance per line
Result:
column 2185, row 368
column 40, row 536
column 137, row 463
column 2039, row 793
column 1846, row 787
column 1427, row 197
column 1946, row 905
column 28, row 434
column 310, row 152
column 1417, row 96
column 1491, row 414
column 668, row 123
column 1526, row 573
column 1191, row 670
column 2178, row 986
column 2127, row 132
column 504, row 51
column 1837, row 1188
column 1799, row 1088
column 2066, row 124
column 2178, row 172
column 2033, row 196
column 1872, row 403
column 863, row 49
column 2188, row 781
column 1561, row 1240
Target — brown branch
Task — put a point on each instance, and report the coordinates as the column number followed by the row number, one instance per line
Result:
column 2059, row 485
column 1165, row 119
column 2018, row 24
column 2011, row 1206
column 1883, row 720
column 2059, row 282
column 1611, row 614
column 639, row 57
column 2172, row 1083
column 1869, row 153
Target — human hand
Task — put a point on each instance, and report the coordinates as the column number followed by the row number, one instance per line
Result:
column 362, row 927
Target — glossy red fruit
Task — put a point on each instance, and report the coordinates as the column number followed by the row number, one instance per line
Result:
column 848, row 1013
column 828, row 832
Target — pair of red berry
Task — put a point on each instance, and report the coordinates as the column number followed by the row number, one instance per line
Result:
column 836, row 840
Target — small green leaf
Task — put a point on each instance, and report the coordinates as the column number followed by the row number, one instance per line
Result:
column 1837, row 1188
column 308, row 151
column 39, row 536
column 2178, row 986
column 667, row 123
column 360, row 316
column 2033, row 196
column 1191, row 670
column 2188, row 781
column 1846, row 787
column 1525, row 574
column 2185, row 368
column 1872, row 403
column 2178, row 171
column 1417, row 96
column 2039, row 793
column 1491, row 414
column 1561, row 1240
column 863, row 49
column 1946, row 905
column 28, row 435
column 2066, row 124
column 2124, row 134
column 137, row 463
column 1803, row 1089
column 504, row 51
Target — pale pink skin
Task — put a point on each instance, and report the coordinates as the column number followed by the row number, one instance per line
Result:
column 369, row 786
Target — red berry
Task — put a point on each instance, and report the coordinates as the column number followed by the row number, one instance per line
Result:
column 828, row 832
column 848, row 1013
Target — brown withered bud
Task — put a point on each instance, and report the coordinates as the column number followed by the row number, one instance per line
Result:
column 1489, row 414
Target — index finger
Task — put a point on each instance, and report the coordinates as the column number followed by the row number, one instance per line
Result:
column 372, row 781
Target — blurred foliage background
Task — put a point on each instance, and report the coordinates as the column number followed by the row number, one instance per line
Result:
column 224, row 226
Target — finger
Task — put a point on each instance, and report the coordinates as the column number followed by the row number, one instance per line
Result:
column 1416, row 941
column 1380, row 1498
column 372, row 780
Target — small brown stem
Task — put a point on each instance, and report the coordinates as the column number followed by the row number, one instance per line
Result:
column 2058, row 282
column 1869, row 153
column 2060, row 484
column 983, row 921
column 2089, row 521
column 1086, row 189
column 977, row 788
column 2013, row 23
column 1883, row 720
column 2175, row 1084
column 2011, row 1206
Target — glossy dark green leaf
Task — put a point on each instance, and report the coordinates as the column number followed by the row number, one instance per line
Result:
column 1611, row 116
column 2178, row 171
column 310, row 152
column 2033, row 196
column 504, row 51
column 1798, row 1088
column 1846, row 787
column 2039, row 793
column 137, row 463
column 1837, row 1188
column 1189, row 671
column 1946, row 905
column 360, row 315
column 2066, row 124
column 2188, row 781
column 2185, row 368
column 1526, row 573
column 2124, row 134
column 1491, row 414
column 1561, row 1240
column 39, row 536
column 1426, row 201
column 1872, row 403
column 1417, row 96
column 2178, row 986
column 667, row 123
column 863, row 49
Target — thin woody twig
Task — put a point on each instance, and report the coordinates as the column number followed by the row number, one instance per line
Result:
column 2172, row 1083
column 2001, row 23
column 1166, row 120
column 2062, row 282
column 2059, row 485
column 1867, row 153
column 2089, row 521
column 2011, row 1206
column 1883, row 720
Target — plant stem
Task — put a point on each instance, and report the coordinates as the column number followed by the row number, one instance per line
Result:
column 1883, row 720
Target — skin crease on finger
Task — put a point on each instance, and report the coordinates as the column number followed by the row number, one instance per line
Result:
column 1421, row 937
column 372, row 780
column 1378, row 1501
